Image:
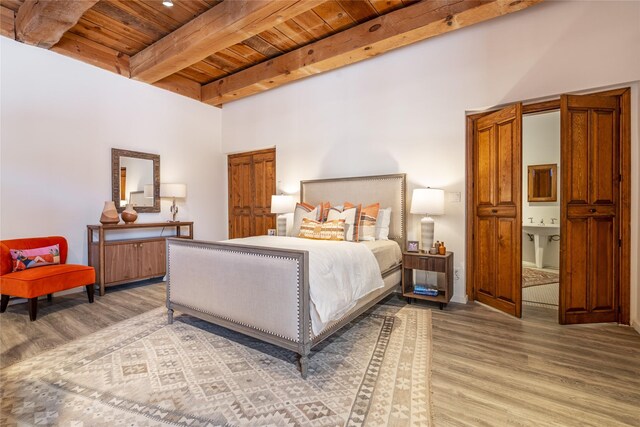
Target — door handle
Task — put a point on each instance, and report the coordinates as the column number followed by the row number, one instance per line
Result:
column 494, row 210
column 592, row 210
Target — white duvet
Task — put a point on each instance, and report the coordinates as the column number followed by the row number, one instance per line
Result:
column 340, row 273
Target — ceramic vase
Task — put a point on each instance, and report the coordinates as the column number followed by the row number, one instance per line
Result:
column 109, row 214
column 129, row 215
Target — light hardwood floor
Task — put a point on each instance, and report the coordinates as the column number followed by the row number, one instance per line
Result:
column 488, row 369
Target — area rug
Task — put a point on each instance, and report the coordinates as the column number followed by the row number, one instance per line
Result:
column 542, row 296
column 142, row 372
column 536, row 277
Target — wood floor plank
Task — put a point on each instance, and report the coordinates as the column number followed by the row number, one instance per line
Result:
column 489, row 369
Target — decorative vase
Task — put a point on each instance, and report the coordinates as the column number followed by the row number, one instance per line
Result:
column 109, row 214
column 129, row 215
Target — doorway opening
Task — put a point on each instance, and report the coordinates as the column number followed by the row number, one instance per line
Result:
column 541, row 213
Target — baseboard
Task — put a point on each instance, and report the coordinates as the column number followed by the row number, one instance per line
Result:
column 636, row 325
column 460, row 299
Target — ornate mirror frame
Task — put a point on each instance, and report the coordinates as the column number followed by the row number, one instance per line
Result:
column 115, row 178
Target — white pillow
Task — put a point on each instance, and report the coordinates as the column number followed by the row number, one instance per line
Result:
column 300, row 213
column 349, row 216
column 382, row 224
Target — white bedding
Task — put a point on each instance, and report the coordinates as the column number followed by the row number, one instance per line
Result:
column 340, row 273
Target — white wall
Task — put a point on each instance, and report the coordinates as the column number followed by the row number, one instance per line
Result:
column 540, row 146
column 61, row 117
column 405, row 111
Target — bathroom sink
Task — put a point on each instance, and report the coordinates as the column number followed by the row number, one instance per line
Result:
column 538, row 230
column 541, row 229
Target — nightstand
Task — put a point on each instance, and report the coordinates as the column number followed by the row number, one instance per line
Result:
column 441, row 265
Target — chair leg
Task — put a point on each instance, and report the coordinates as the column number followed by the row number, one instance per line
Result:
column 49, row 297
column 4, row 303
column 90, row 292
column 33, row 308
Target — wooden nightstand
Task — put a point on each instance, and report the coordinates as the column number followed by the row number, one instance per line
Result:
column 441, row 264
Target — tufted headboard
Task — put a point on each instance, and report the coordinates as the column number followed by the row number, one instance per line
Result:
column 389, row 190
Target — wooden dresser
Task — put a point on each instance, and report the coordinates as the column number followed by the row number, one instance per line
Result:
column 124, row 259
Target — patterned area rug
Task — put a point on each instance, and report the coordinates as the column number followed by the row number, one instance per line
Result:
column 535, row 277
column 542, row 296
column 141, row 372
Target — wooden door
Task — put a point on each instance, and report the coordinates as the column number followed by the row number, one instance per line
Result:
column 251, row 184
column 497, row 227
column 152, row 258
column 590, row 240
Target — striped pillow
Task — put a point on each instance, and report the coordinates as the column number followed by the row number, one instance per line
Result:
column 349, row 217
column 356, row 224
column 368, row 219
column 330, row 230
column 304, row 210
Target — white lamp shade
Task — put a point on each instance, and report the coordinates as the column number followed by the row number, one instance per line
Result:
column 173, row 190
column 148, row 190
column 427, row 201
column 282, row 204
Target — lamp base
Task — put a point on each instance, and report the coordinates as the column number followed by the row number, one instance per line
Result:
column 427, row 226
column 281, row 225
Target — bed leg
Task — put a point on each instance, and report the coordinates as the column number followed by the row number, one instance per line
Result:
column 304, row 365
column 170, row 316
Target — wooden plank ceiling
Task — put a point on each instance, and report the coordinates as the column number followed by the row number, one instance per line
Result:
column 218, row 51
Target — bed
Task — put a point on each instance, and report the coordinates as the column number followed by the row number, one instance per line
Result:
column 260, row 286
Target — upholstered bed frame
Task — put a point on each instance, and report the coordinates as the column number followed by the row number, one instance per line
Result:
column 264, row 292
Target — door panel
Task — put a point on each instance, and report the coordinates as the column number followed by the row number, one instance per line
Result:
column 264, row 169
column 486, row 167
column 577, row 179
column 485, row 245
column 497, row 197
column 603, row 145
column 590, row 238
column 505, row 163
column 119, row 257
column 239, row 196
column 575, row 274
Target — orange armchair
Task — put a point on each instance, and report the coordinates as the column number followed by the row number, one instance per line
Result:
column 34, row 282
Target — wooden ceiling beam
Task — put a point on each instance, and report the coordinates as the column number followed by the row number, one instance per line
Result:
column 396, row 29
column 43, row 22
column 222, row 26
column 7, row 22
column 93, row 53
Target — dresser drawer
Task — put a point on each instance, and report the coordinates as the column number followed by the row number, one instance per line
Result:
column 427, row 263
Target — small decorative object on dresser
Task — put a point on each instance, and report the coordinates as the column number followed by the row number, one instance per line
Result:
column 412, row 246
column 129, row 215
column 434, row 277
column 109, row 213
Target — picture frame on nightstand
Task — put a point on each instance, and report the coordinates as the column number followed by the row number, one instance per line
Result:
column 271, row 232
column 413, row 246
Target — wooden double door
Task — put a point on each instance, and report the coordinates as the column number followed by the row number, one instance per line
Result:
column 252, row 182
column 591, row 241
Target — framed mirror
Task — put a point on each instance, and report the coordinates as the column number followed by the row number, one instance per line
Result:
column 135, row 178
column 543, row 185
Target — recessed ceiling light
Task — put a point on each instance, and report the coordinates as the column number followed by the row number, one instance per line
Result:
column 167, row 3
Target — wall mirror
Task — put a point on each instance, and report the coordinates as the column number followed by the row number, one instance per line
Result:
column 542, row 182
column 135, row 179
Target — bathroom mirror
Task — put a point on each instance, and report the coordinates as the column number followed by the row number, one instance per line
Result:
column 135, row 179
column 543, row 185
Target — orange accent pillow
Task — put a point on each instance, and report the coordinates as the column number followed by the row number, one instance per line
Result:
column 356, row 225
column 368, row 219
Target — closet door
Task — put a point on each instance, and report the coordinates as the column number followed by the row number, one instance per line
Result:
column 497, row 229
column 590, row 190
column 251, row 183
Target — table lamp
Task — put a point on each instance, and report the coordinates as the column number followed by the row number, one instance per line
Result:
column 282, row 204
column 174, row 191
column 427, row 201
